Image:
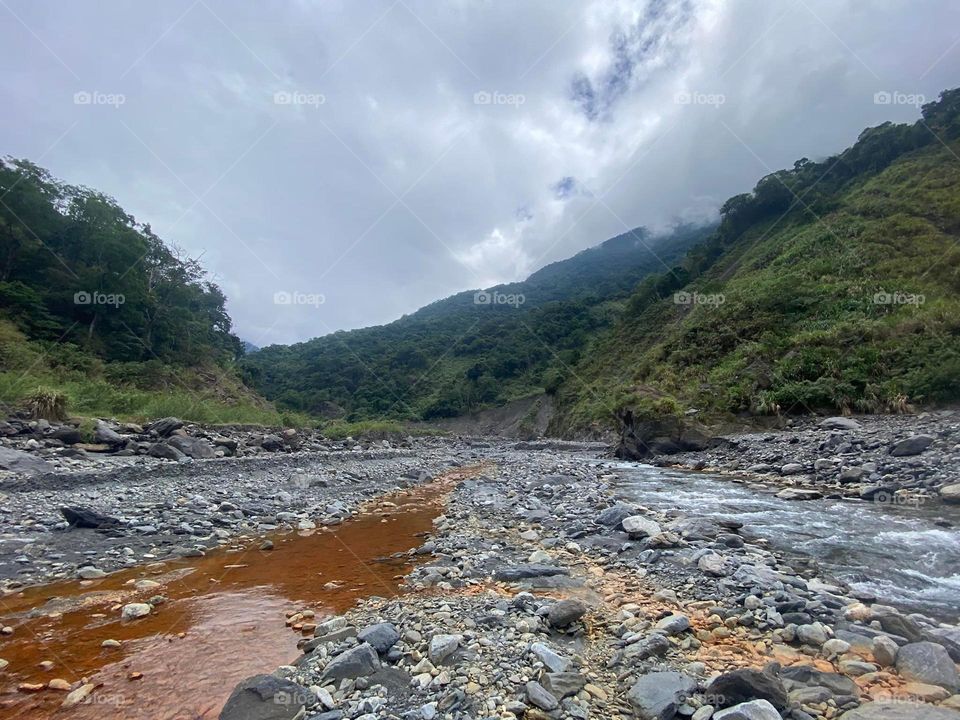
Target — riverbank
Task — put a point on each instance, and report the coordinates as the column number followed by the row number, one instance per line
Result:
column 545, row 597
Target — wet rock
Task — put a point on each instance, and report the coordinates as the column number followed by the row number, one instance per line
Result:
column 927, row 662
column 266, row 697
column 657, row 696
column 88, row 572
column 134, row 611
column 799, row 494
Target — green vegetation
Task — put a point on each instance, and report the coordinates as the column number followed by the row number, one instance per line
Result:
column 99, row 317
column 456, row 355
column 840, row 287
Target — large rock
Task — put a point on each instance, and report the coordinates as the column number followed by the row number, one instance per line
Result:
column 900, row 710
column 657, row 696
column 638, row 526
column 164, row 451
column 135, row 611
column 165, row 426
column 381, row 637
column 107, row 435
column 753, row 710
column 82, row 517
column 442, row 647
column 540, row 697
column 552, row 660
column 615, row 514
column 747, row 684
column 21, row 462
column 797, row 676
column 67, row 435
column 839, row 423
column 511, row 573
column 799, row 494
column 266, row 697
column 191, row 446
column 911, row 446
column 951, row 493
column 927, row 662
column 566, row 612
column 643, row 438
column 358, row 661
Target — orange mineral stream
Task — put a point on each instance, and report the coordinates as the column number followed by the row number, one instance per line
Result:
column 225, row 618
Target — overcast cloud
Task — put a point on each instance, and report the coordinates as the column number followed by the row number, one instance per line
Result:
column 384, row 154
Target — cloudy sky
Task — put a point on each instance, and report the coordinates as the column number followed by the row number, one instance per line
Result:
column 386, row 153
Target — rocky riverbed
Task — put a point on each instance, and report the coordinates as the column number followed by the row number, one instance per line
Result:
column 542, row 592
column 545, row 597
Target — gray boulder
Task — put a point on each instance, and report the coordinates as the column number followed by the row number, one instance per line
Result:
column 20, row 462
column 381, row 637
column 614, row 515
column 442, row 647
column 539, row 696
column 553, row 661
column 657, row 696
column 927, row 662
column 165, row 426
column 165, row 452
column 358, row 661
column 191, row 446
column 266, row 697
column 911, row 446
column 839, row 423
column 566, row 612
column 107, row 435
column 511, row 573
column 743, row 685
column 637, row 526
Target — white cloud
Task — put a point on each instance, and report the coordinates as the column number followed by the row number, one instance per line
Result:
column 307, row 194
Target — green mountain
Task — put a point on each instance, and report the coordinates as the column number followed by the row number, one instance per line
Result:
column 474, row 349
column 832, row 286
column 98, row 315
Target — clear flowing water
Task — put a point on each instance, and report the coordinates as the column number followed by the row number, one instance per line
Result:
column 906, row 554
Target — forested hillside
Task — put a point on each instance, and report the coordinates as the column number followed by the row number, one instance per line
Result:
column 470, row 350
column 96, row 309
column 832, row 286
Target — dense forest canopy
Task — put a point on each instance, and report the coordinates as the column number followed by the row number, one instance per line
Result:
column 75, row 268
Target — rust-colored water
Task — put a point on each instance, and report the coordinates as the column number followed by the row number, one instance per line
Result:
column 225, row 617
